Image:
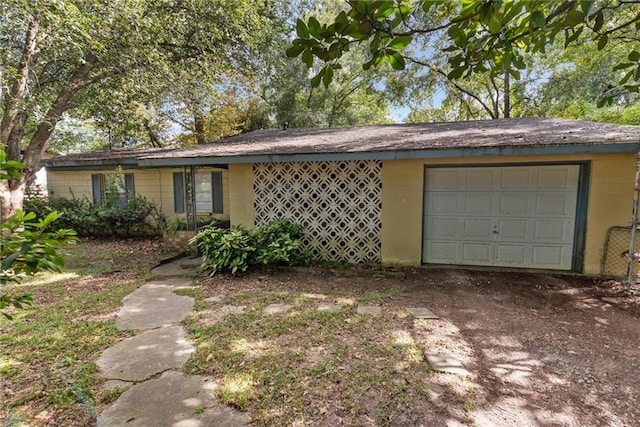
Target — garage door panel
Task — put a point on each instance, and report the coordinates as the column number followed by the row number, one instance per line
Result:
column 555, row 204
column 477, row 204
column 511, row 255
column 445, row 179
column 513, row 204
column 548, row 256
column 443, row 204
column 559, row 177
column 515, row 178
column 479, row 179
column 549, row 230
column 477, row 253
column 477, row 229
column 444, row 228
column 516, row 216
column 513, row 229
column 443, row 252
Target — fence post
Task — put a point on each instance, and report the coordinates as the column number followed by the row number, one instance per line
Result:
column 634, row 227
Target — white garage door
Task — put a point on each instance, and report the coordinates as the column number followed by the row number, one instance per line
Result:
column 510, row 216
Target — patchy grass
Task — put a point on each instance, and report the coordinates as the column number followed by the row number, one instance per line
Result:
column 48, row 374
column 304, row 366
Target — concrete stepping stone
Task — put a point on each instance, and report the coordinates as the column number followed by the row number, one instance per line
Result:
column 444, row 363
column 369, row 309
column 146, row 354
column 171, row 400
column 277, row 308
column 151, row 306
column 180, row 267
column 327, row 306
column 422, row 313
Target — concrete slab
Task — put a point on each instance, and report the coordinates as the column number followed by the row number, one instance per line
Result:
column 180, row 267
column 277, row 308
column 171, row 400
column 152, row 306
column 422, row 313
column 149, row 353
column 327, row 306
column 172, row 282
column 369, row 309
column 444, row 363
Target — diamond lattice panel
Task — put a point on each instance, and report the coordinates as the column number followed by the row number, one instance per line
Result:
column 339, row 203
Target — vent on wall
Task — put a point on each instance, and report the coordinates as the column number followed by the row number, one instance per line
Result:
column 339, row 203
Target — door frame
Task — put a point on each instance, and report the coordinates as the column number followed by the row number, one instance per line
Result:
column 582, row 202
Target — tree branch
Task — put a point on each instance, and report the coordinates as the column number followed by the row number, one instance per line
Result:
column 455, row 85
column 15, row 97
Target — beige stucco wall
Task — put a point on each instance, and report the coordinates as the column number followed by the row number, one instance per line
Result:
column 610, row 198
column 156, row 185
column 241, row 195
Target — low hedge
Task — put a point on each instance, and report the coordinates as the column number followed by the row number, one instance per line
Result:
column 237, row 249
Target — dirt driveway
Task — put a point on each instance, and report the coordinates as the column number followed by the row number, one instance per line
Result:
column 542, row 349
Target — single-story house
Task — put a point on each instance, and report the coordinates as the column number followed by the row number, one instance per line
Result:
column 524, row 193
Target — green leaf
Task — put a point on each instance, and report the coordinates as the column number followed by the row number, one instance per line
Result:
column 599, row 21
column 307, row 58
column 315, row 81
column 574, row 17
column 294, row 50
column 427, row 5
column 537, row 19
column 327, row 77
column 585, row 5
column 455, row 73
column 634, row 56
column 396, row 60
column 399, row 42
column 623, row 65
column 602, row 41
column 314, row 27
column 301, row 29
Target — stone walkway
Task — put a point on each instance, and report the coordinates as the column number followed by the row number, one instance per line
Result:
column 149, row 364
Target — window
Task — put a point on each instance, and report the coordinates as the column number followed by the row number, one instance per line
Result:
column 114, row 189
column 208, row 192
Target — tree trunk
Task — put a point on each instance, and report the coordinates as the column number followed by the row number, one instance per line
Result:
column 16, row 95
column 11, row 196
column 198, row 126
column 507, row 98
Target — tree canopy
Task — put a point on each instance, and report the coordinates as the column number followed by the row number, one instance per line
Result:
column 477, row 37
column 59, row 55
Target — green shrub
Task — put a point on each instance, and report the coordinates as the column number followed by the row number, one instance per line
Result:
column 140, row 218
column 237, row 249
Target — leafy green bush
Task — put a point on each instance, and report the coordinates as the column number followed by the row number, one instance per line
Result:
column 237, row 249
column 140, row 218
column 26, row 247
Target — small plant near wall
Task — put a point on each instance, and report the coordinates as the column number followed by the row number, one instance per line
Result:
column 237, row 249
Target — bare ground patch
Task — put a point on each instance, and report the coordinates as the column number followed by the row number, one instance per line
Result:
column 541, row 349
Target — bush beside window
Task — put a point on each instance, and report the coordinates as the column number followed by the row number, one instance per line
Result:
column 139, row 218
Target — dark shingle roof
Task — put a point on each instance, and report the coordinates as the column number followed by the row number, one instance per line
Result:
column 522, row 132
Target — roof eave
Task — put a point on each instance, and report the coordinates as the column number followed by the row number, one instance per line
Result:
column 432, row 153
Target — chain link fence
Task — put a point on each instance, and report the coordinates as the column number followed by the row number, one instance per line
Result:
column 616, row 252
